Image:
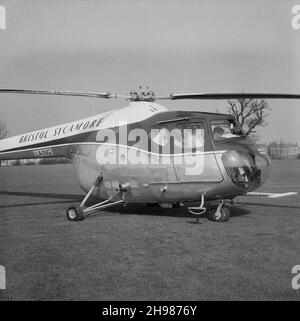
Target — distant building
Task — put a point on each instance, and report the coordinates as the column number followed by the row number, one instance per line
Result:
column 19, row 162
column 283, row 150
column 290, row 151
column 6, row 162
column 35, row 161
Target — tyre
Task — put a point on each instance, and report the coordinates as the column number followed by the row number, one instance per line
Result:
column 74, row 214
column 222, row 216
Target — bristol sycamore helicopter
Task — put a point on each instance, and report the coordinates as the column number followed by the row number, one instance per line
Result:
column 138, row 154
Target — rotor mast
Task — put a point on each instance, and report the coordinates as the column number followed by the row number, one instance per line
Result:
column 142, row 95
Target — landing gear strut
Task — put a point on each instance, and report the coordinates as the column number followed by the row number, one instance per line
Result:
column 221, row 214
column 77, row 213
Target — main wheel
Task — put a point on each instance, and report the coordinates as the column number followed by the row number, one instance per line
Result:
column 74, row 214
column 221, row 216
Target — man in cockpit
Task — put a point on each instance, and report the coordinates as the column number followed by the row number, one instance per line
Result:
column 218, row 133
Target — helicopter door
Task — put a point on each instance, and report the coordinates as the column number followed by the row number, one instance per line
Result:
column 196, row 163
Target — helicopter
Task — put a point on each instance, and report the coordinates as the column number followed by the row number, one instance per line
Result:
column 145, row 154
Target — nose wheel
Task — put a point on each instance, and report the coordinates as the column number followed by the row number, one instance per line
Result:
column 221, row 214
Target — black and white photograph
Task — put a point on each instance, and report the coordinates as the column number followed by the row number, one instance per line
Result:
column 149, row 152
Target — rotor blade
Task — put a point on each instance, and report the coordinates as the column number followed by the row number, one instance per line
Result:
column 62, row 93
column 232, row 96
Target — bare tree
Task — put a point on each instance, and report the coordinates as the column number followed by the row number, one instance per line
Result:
column 3, row 130
column 250, row 113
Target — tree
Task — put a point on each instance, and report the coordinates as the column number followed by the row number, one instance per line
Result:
column 3, row 130
column 250, row 114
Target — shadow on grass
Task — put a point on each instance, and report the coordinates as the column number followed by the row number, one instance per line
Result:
column 269, row 205
column 67, row 198
column 238, row 209
column 138, row 209
column 43, row 195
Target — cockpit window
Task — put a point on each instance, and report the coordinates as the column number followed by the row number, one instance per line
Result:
column 179, row 138
column 224, row 129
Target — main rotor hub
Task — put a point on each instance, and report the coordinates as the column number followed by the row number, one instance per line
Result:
column 142, row 95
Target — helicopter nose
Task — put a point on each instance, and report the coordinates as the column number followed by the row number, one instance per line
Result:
column 247, row 170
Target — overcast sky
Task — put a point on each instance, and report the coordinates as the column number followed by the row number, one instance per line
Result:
column 171, row 46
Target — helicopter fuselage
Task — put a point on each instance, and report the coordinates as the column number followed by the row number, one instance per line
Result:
column 146, row 148
column 217, row 169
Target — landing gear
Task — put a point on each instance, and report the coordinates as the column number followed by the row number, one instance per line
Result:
column 77, row 213
column 74, row 214
column 221, row 214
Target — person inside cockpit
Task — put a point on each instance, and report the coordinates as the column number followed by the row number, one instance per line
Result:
column 218, row 133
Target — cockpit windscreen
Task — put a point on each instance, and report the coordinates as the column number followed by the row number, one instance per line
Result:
column 225, row 128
